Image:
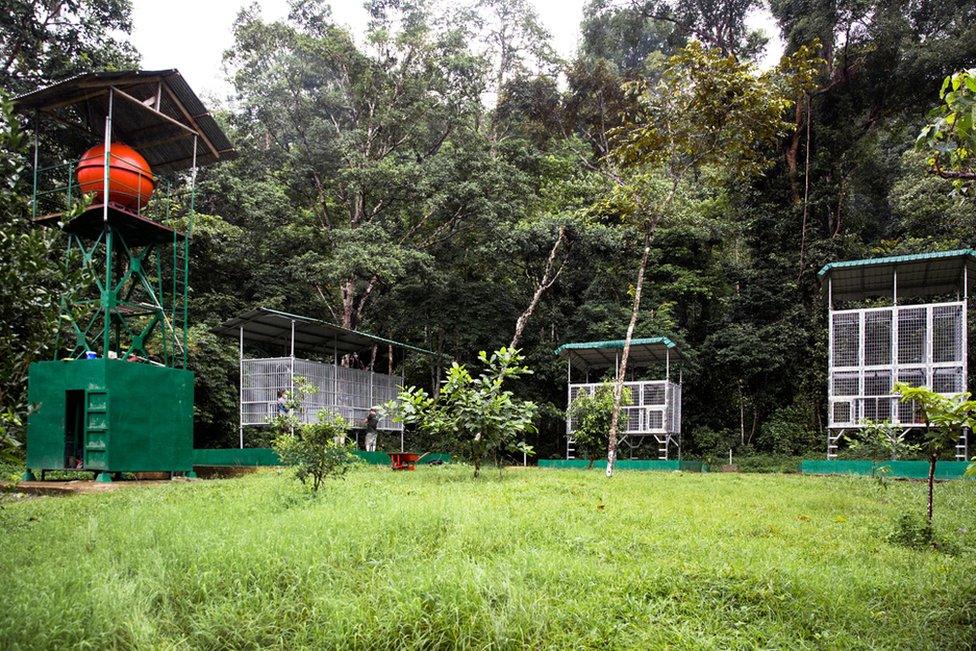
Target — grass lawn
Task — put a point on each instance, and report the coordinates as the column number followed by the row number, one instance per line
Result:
column 540, row 558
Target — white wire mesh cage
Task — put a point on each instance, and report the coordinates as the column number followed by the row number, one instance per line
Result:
column 350, row 394
column 654, row 407
column 871, row 349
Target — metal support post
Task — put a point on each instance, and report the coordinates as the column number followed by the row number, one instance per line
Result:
column 962, row 449
column 569, row 397
column 108, row 298
column 186, row 255
column 335, row 375
column 830, row 360
column 240, row 365
column 36, row 164
column 894, row 410
column 291, row 373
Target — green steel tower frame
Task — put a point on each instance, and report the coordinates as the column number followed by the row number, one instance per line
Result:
column 117, row 397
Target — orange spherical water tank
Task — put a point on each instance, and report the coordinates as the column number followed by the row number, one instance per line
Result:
column 130, row 179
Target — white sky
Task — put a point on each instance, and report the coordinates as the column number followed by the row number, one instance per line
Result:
column 191, row 35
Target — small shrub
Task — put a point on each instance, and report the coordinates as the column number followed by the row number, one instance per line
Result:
column 879, row 440
column 767, row 463
column 477, row 414
column 913, row 532
column 712, row 446
column 317, row 450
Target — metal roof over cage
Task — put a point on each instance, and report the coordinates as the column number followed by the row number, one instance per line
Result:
column 921, row 274
column 599, row 354
column 266, row 326
column 154, row 111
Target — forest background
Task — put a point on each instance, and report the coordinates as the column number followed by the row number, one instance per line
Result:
column 442, row 180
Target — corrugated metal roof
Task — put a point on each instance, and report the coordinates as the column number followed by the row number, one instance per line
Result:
column 596, row 354
column 920, row 274
column 895, row 260
column 267, row 326
column 154, row 111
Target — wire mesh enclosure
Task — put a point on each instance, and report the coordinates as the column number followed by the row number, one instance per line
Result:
column 654, row 407
column 922, row 343
column 871, row 349
column 351, row 393
column 348, row 384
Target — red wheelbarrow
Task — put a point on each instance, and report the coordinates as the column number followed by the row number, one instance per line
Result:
column 405, row 460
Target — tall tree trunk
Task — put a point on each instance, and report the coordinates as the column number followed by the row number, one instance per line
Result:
column 549, row 276
column 742, row 416
column 792, row 154
column 618, row 385
column 349, row 305
column 932, row 460
column 806, row 195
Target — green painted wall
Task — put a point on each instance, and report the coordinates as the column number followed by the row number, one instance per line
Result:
column 899, row 469
column 136, row 417
column 235, row 457
column 627, row 464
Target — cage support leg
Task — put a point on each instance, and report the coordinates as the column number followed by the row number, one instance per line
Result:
column 832, row 443
column 28, row 475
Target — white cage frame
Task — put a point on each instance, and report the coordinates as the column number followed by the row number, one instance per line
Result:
column 654, row 410
column 869, row 349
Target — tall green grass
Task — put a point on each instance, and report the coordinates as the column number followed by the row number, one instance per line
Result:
column 435, row 559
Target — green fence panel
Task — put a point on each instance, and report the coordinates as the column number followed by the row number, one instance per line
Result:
column 916, row 469
column 837, row 467
column 235, row 457
column 920, row 469
column 374, row 458
column 383, row 459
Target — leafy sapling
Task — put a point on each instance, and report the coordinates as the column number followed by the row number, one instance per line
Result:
column 591, row 415
column 944, row 417
column 476, row 415
column 318, row 450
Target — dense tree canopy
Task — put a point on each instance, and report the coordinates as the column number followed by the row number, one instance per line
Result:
column 444, row 178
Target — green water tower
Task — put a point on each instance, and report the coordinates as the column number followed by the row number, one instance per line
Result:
column 117, row 396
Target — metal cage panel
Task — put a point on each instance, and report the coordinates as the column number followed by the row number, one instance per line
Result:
column 912, row 334
column 847, row 337
column 350, row 394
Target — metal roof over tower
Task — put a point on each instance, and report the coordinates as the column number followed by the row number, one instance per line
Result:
column 155, row 112
column 920, row 274
column 603, row 354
